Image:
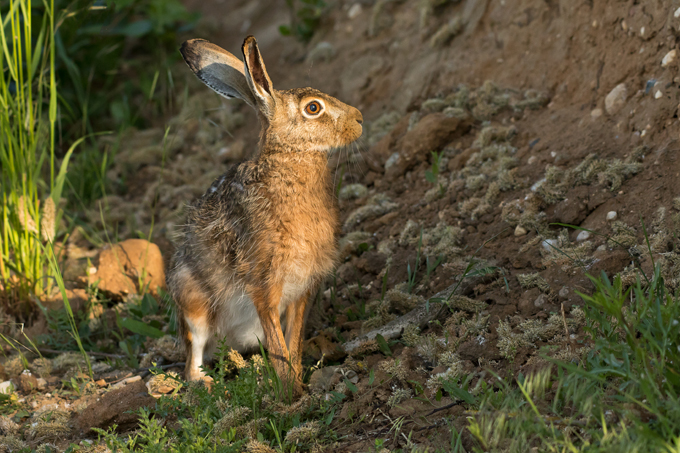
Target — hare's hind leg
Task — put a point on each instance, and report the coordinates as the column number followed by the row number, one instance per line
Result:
column 195, row 321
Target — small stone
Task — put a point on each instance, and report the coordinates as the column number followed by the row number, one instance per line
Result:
column 596, row 113
column 624, row 25
column 564, row 292
column 677, row 13
column 583, row 236
column 540, row 300
column 669, row 58
column 616, row 99
column 42, row 384
column 520, row 231
column 549, row 244
column 602, row 248
column 531, row 160
column 6, row 387
column 611, row 216
column 323, row 51
column 658, row 94
column 101, row 383
column 354, row 11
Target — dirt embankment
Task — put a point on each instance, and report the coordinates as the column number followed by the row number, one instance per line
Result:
column 540, row 112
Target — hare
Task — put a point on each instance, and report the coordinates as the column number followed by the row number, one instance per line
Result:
column 257, row 244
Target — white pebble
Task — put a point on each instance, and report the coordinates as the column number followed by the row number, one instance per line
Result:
column 520, row 231
column 548, row 244
column 583, row 236
column 553, row 154
column 537, row 184
column 596, row 113
column 669, row 58
column 677, row 13
column 532, row 159
column 354, row 11
column 6, row 387
column 611, row 216
column 642, row 31
column 658, row 94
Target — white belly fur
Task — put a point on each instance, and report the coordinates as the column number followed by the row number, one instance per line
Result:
column 237, row 320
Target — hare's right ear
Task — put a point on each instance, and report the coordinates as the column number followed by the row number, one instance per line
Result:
column 218, row 69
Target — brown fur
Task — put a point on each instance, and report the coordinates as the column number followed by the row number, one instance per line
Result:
column 267, row 228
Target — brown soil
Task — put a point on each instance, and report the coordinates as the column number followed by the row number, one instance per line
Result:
column 539, row 73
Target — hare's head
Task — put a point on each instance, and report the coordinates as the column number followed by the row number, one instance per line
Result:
column 302, row 118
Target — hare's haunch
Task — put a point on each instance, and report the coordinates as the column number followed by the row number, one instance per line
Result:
column 262, row 237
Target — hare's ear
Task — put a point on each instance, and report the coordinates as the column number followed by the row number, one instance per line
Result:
column 218, row 69
column 258, row 79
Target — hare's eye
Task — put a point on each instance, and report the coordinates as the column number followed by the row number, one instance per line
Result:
column 313, row 108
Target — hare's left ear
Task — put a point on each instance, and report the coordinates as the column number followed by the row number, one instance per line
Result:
column 258, row 79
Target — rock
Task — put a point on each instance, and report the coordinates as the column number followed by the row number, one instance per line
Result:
column 325, row 378
column 115, row 407
column 611, row 216
column 321, row 346
column 520, row 231
column 540, row 300
column 564, row 292
column 669, row 58
column 616, row 99
column 596, row 113
column 354, row 11
column 583, row 236
column 658, row 95
column 6, row 387
column 42, row 384
column 526, row 302
column 121, row 267
column 323, row 51
column 431, row 133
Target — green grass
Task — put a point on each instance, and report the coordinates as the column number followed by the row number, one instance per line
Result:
column 239, row 407
column 30, row 177
column 622, row 396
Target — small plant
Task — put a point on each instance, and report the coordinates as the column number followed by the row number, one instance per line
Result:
column 305, row 17
column 432, row 175
column 30, row 177
column 622, row 396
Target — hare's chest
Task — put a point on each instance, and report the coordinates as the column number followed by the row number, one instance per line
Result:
column 303, row 250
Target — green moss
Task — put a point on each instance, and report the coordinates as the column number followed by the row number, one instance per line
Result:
column 529, row 281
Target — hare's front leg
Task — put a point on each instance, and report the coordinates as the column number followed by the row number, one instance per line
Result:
column 295, row 324
column 267, row 302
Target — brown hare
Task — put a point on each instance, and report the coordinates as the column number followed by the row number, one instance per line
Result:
column 259, row 241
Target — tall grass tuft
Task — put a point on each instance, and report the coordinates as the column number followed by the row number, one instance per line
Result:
column 30, row 178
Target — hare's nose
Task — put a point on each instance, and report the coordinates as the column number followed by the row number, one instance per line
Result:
column 360, row 117
column 360, row 121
